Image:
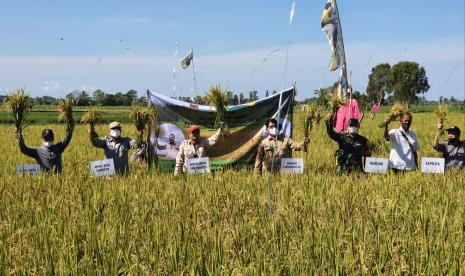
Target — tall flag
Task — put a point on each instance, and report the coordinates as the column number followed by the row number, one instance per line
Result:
column 331, row 26
column 185, row 62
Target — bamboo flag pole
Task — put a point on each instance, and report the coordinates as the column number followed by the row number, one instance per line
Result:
column 193, row 72
column 344, row 64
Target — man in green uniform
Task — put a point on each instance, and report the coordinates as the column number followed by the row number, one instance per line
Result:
column 352, row 146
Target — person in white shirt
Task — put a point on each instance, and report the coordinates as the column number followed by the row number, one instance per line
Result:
column 404, row 145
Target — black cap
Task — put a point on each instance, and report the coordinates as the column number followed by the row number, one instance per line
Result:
column 47, row 135
column 454, row 129
column 353, row 122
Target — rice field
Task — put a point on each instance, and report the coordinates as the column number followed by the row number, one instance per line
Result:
column 155, row 223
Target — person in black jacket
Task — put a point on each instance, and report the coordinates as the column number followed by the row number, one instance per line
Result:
column 352, row 146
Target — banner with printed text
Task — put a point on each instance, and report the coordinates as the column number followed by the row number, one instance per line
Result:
column 246, row 123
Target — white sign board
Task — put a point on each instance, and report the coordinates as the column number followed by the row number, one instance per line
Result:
column 104, row 167
column 198, row 165
column 292, row 165
column 376, row 165
column 32, row 169
column 432, row 165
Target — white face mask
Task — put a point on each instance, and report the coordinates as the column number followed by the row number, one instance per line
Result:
column 48, row 144
column 115, row 133
column 272, row 131
column 353, row 129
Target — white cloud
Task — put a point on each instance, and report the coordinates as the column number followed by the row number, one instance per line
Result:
column 51, row 87
column 88, row 88
column 307, row 66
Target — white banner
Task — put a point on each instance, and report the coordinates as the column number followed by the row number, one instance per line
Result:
column 198, row 165
column 32, row 169
column 101, row 168
column 376, row 165
column 292, row 165
column 432, row 165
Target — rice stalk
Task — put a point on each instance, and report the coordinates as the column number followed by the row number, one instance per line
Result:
column 441, row 113
column 92, row 116
column 18, row 103
column 218, row 98
column 140, row 115
column 335, row 102
column 65, row 111
column 397, row 110
column 309, row 118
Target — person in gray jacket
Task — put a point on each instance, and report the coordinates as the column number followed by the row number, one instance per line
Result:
column 115, row 147
column 49, row 155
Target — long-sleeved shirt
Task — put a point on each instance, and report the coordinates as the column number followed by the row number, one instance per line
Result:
column 116, row 149
column 278, row 148
column 402, row 154
column 355, row 147
column 49, row 158
column 187, row 150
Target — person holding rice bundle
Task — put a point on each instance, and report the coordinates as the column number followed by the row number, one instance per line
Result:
column 194, row 147
column 453, row 150
column 276, row 147
column 352, row 146
column 48, row 156
column 115, row 146
column 404, row 144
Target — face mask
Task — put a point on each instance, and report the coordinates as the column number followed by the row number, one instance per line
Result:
column 353, row 129
column 48, row 144
column 272, row 131
column 115, row 133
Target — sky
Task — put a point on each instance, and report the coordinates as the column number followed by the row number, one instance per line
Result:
column 53, row 47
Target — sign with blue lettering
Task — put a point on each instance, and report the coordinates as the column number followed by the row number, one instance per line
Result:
column 376, row 165
column 432, row 165
column 292, row 165
column 198, row 165
column 32, row 169
column 101, row 168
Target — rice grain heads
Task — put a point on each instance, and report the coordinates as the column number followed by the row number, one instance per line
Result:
column 92, row 116
column 18, row 103
column 65, row 111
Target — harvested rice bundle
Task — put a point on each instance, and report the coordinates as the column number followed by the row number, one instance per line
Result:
column 397, row 110
column 140, row 115
column 310, row 116
column 441, row 113
column 218, row 98
column 65, row 111
column 335, row 102
column 18, row 103
column 92, row 116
